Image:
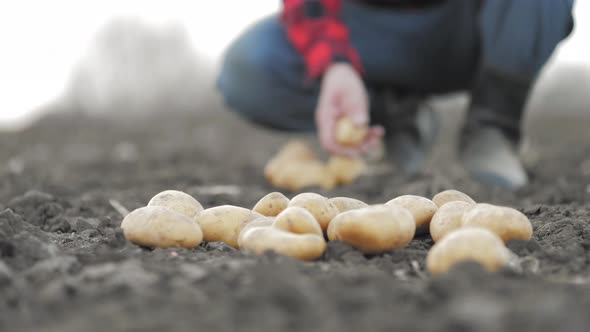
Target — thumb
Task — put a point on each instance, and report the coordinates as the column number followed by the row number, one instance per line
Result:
column 359, row 118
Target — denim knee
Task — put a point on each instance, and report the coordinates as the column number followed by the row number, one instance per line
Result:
column 262, row 77
column 243, row 76
column 518, row 37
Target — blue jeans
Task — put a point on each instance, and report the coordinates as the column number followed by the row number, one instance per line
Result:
column 434, row 50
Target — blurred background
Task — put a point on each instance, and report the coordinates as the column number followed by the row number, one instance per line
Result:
column 144, row 54
column 112, row 52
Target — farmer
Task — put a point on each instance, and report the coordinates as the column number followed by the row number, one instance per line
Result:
column 376, row 60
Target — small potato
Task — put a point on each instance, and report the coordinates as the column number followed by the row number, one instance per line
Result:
column 224, row 223
column 350, row 134
column 298, row 175
column 374, row 229
column 296, row 150
column 178, row 201
column 258, row 222
column 292, row 151
column 301, row 246
column 507, row 223
column 420, row 207
column 157, row 226
column 346, row 170
column 467, row 244
column 272, row 204
column 299, row 221
column 344, row 204
column 451, row 195
column 447, row 219
column 320, row 207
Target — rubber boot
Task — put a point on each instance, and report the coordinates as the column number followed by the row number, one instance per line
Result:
column 489, row 142
column 410, row 131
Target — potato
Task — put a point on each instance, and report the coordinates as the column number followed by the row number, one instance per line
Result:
column 258, row 222
column 272, row 204
column 344, row 204
column 296, row 150
column 320, row 207
column 467, row 244
column 292, row 151
column 301, row 246
column 420, row 207
column 507, row 223
column 178, row 201
column 299, row 221
column 447, row 218
column 350, row 134
column 374, row 229
column 346, row 170
column 295, row 167
column 157, row 226
column 451, row 195
column 224, row 223
column 297, row 175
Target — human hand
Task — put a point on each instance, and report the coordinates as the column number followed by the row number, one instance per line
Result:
column 343, row 94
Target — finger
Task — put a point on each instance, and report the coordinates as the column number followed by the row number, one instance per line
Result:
column 373, row 139
column 356, row 108
column 325, row 123
column 374, row 135
column 377, row 131
column 326, row 132
column 345, row 151
column 369, row 144
column 359, row 118
column 356, row 112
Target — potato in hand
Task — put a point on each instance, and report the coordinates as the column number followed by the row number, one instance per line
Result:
column 350, row 134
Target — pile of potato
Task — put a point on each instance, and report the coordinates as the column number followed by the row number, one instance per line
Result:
column 299, row 227
column 296, row 166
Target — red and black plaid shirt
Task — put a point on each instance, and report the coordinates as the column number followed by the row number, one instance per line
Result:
column 315, row 29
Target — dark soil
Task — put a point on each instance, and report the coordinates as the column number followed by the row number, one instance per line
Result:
column 65, row 265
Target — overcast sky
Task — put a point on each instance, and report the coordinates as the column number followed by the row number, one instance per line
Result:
column 40, row 41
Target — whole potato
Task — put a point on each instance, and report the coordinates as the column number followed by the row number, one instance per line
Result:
column 344, row 204
column 448, row 218
column 178, row 201
column 258, row 222
column 224, row 223
column 451, row 195
column 421, row 208
column 157, row 226
column 272, row 204
column 299, row 221
column 346, row 170
column 296, row 150
column 374, row 229
column 507, row 223
column 350, row 134
column 292, row 151
column 298, row 175
column 320, row 207
column 467, row 244
column 301, row 246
